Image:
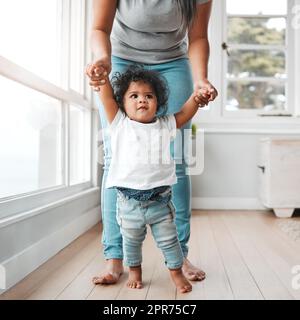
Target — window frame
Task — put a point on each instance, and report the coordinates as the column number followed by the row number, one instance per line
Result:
column 283, row 48
column 27, row 201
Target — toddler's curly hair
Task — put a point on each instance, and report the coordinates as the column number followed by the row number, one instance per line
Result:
column 121, row 81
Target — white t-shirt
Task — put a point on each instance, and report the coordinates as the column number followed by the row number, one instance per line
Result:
column 141, row 157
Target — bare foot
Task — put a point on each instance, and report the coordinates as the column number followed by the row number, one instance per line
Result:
column 191, row 272
column 135, row 278
column 112, row 275
column 181, row 282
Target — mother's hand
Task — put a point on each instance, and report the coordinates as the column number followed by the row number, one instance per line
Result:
column 209, row 92
column 97, row 72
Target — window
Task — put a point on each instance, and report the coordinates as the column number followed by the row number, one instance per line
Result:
column 45, row 117
column 256, row 41
column 80, row 146
column 77, row 46
column 30, row 33
column 30, row 139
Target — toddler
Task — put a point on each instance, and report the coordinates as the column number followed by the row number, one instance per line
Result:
column 142, row 169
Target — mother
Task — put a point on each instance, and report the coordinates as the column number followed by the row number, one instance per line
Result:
column 169, row 36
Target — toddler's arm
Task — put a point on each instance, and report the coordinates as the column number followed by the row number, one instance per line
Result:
column 190, row 108
column 106, row 96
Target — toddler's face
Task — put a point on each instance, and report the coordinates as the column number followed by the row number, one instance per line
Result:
column 140, row 102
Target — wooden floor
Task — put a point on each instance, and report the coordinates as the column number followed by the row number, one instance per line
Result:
column 246, row 255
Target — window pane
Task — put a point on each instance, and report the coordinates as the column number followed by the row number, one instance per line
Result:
column 77, row 46
column 257, row 31
column 257, row 7
column 80, row 145
column 256, row 95
column 256, row 63
column 30, row 36
column 30, row 139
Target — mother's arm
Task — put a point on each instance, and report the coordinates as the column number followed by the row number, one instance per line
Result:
column 103, row 18
column 199, row 49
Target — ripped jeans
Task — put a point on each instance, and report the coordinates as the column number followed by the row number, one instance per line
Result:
column 134, row 215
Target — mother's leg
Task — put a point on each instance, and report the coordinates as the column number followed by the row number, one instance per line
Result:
column 178, row 76
column 111, row 236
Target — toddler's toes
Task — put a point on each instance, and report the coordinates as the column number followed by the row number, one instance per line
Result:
column 135, row 285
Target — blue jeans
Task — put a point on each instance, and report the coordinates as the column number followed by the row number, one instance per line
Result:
column 178, row 76
column 134, row 215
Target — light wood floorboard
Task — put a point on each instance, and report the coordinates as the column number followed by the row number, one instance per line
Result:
column 269, row 284
column 245, row 254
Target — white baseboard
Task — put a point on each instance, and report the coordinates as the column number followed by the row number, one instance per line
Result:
column 19, row 266
column 227, row 204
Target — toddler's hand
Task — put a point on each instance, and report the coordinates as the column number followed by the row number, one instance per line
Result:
column 97, row 72
column 211, row 92
column 201, row 97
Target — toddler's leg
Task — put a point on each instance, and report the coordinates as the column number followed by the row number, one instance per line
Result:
column 165, row 235
column 135, row 278
column 132, row 250
column 180, row 281
column 132, row 224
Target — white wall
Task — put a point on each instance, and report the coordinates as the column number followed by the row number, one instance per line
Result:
column 230, row 176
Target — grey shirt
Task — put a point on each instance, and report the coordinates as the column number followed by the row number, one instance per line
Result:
column 149, row 31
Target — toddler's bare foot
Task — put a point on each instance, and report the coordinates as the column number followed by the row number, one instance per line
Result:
column 181, row 282
column 135, row 278
column 191, row 272
column 112, row 275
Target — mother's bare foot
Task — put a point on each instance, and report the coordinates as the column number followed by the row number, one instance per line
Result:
column 114, row 271
column 135, row 278
column 181, row 283
column 191, row 272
